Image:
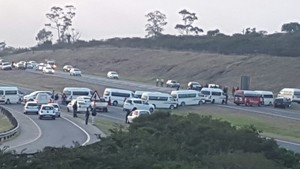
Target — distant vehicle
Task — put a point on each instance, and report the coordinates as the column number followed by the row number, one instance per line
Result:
column 21, row 65
column 6, row 66
column 40, row 67
column 31, row 107
column 268, row 97
column 33, row 63
column 160, row 100
column 51, row 63
column 100, row 105
column 81, row 106
column 291, row 93
column 29, row 65
column 213, row 95
column 247, row 97
column 48, row 70
column 135, row 103
column 172, row 83
column 117, row 96
column 194, row 86
column 75, row 72
column 188, row 97
column 138, row 93
column 86, row 99
column 282, row 102
column 56, row 109
column 112, row 75
column 9, row 95
column 67, row 68
column 47, row 110
column 74, row 92
column 213, row 86
column 43, row 98
column 31, row 96
column 137, row 113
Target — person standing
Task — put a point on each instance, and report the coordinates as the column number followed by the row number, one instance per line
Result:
column 64, row 97
column 233, row 91
column 94, row 112
column 75, row 109
column 87, row 115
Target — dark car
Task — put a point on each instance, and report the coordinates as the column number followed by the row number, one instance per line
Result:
column 281, row 102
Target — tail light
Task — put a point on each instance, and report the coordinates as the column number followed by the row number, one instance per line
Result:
column 106, row 104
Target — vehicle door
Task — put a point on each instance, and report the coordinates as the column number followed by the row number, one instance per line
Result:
column 139, row 105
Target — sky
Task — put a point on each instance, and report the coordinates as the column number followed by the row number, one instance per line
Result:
column 21, row 20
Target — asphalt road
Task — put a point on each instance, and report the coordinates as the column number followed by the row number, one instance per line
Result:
column 50, row 134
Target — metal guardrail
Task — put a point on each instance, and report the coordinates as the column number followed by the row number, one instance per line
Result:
column 15, row 129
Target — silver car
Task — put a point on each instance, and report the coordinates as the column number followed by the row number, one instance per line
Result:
column 31, row 107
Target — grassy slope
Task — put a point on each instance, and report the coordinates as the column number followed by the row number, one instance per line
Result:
column 267, row 73
column 5, row 125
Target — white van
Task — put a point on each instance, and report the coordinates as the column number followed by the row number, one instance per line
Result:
column 9, row 95
column 117, row 96
column 160, row 100
column 138, row 93
column 74, row 92
column 188, row 97
column 290, row 93
column 213, row 95
column 268, row 97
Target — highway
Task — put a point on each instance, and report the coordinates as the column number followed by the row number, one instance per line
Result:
column 37, row 134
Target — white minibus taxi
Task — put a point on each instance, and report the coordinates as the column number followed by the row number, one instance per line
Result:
column 268, row 97
column 138, row 93
column 160, row 100
column 74, row 92
column 188, row 97
column 291, row 93
column 9, row 95
column 116, row 96
column 213, row 95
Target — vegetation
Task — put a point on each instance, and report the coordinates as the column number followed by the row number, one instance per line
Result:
column 5, row 124
column 164, row 141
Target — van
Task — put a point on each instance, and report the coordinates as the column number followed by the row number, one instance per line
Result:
column 159, row 100
column 188, row 97
column 9, row 95
column 213, row 95
column 247, row 97
column 268, row 97
column 116, row 96
column 291, row 93
column 73, row 92
column 138, row 93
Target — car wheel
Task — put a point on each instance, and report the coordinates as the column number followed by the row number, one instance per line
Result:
column 7, row 101
column 182, row 104
column 105, row 110
column 172, row 107
column 58, row 115
column 25, row 112
column 53, row 117
column 151, row 110
column 115, row 103
column 68, row 109
column 40, row 117
column 213, row 101
column 199, row 103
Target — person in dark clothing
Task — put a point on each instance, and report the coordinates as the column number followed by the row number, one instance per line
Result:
column 127, row 114
column 75, row 109
column 87, row 115
column 56, row 96
column 64, row 97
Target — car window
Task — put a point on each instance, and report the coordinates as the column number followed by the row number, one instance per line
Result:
column 47, row 108
column 137, row 101
column 129, row 101
column 31, row 104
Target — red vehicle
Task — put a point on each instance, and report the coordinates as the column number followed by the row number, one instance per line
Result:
column 247, row 97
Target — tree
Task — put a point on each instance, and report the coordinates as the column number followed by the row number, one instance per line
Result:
column 2, row 46
column 213, row 32
column 62, row 20
column 188, row 19
column 290, row 27
column 156, row 21
column 44, row 36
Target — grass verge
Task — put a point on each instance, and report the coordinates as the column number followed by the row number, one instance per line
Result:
column 5, row 125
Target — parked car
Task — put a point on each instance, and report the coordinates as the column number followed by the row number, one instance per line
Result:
column 194, row 86
column 86, row 99
column 137, row 113
column 56, row 109
column 43, row 98
column 282, row 102
column 112, row 75
column 6, row 66
column 31, row 107
column 21, row 65
column 47, row 110
column 67, row 68
column 75, row 72
column 137, row 104
column 39, row 67
column 31, row 96
column 48, row 70
column 172, row 83
column 100, row 105
column 81, row 106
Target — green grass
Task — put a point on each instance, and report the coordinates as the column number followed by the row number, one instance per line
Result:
column 270, row 126
column 5, row 125
column 105, row 125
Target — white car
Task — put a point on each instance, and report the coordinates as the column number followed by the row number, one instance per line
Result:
column 137, row 104
column 112, row 75
column 6, row 66
column 86, row 99
column 32, row 96
column 172, row 83
column 47, row 110
column 48, row 70
column 67, row 68
column 81, row 106
column 137, row 113
column 31, row 107
column 75, row 72
column 56, row 109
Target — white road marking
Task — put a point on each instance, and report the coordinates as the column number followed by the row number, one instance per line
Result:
column 29, row 142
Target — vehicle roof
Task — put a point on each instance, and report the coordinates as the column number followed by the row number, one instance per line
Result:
column 76, row 88
column 211, row 89
column 115, row 89
column 263, row 92
column 31, row 102
column 44, row 105
column 292, row 89
column 8, row 88
column 156, row 94
column 39, row 92
column 184, row 91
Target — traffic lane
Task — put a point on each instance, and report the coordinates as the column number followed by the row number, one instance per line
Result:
column 289, row 145
column 54, row 133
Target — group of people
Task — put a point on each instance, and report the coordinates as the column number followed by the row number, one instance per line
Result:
column 90, row 110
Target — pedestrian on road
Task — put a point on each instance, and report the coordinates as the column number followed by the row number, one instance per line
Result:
column 64, row 97
column 75, row 109
column 127, row 114
column 87, row 115
column 94, row 112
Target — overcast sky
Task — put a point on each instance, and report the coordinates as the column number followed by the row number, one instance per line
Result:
column 21, row 20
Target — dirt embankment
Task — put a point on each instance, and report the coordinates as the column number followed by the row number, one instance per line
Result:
column 266, row 72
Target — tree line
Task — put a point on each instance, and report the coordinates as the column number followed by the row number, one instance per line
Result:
column 249, row 41
column 165, row 141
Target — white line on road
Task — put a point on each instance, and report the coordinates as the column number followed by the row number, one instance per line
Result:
column 85, row 132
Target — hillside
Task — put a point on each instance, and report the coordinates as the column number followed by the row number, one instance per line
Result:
column 267, row 72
